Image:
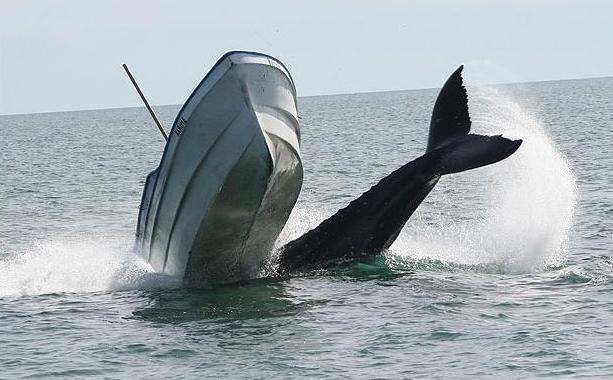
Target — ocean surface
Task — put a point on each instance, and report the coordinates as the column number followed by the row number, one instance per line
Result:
column 503, row 272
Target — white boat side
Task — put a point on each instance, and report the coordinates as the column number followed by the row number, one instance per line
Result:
column 229, row 176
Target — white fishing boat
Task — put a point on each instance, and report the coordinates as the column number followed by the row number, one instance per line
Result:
column 229, row 176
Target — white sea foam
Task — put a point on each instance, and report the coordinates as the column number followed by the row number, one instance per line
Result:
column 528, row 200
column 77, row 265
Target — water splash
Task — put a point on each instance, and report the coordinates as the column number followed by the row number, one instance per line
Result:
column 301, row 220
column 78, row 266
column 527, row 201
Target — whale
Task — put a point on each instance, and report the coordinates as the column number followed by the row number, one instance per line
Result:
column 371, row 223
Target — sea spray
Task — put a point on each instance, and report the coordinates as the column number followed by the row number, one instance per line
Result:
column 77, row 265
column 301, row 220
column 527, row 201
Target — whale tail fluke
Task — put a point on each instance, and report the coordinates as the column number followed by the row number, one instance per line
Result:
column 449, row 137
column 473, row 151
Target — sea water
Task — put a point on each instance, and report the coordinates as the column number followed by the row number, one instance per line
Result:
column 504, row 271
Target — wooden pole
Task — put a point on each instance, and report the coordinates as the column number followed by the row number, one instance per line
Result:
column 155, row 118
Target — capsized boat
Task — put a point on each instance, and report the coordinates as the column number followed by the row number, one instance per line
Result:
column 229, row 176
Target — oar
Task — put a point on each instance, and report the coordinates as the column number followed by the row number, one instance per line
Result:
column 155, row 118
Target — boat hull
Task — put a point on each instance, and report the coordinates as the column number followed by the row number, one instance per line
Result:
column 229, row 177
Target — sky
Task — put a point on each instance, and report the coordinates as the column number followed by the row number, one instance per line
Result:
column 60, row 55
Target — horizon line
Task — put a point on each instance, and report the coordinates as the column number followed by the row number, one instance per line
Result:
column 317, row 95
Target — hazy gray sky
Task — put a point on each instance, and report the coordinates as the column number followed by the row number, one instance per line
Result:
column 60, row 55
